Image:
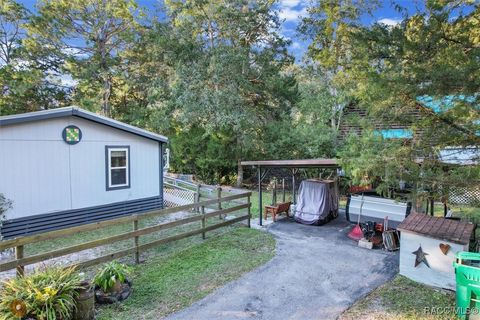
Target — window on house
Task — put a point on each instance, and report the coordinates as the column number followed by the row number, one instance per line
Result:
column 118, row 167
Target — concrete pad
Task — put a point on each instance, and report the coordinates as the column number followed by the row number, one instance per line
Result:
column 317, row 273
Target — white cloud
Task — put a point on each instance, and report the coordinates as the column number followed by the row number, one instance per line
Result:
column 289, row 3
column 390, row 21
column 71, row 51
column 291, row 14
column 295, row 45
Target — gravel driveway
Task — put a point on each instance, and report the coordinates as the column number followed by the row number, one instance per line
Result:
column 317, row 273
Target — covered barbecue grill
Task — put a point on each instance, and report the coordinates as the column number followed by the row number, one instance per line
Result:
column 317, row 202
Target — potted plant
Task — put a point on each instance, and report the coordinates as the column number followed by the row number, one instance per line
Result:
column 48, row 293
column 85, row 301
column 111, row 283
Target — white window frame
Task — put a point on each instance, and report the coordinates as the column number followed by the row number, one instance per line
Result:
column 109, row 168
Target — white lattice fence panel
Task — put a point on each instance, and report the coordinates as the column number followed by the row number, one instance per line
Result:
column 465, row 195
column 173, row 197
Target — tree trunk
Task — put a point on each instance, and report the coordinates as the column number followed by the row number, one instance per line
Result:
column 239, row 174
column 107, row 89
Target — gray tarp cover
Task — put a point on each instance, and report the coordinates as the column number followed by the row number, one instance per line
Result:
column 317, row 202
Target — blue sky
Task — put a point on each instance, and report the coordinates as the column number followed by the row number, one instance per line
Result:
column 292, row 11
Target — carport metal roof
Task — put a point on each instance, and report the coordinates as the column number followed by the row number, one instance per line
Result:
column 303, row 163
column 263, row 166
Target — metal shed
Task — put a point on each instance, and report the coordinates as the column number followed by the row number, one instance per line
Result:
column 263, row 167
column 67, row 166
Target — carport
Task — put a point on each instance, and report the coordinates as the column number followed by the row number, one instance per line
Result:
column 263, row 167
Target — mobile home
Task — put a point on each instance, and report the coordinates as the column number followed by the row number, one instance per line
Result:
column 64, row 167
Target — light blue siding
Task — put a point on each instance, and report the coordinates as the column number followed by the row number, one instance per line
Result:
column 42, row 174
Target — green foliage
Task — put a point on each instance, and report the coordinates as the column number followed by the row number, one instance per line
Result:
column 25, row 84
column 211, row 157
column 5, row 205
column 110, row 274
column 432, row 53
column 86, row 37
column 47, row 294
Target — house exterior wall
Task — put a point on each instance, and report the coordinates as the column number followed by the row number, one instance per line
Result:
column 354, row 116
column 41, row 173
column 441, row 273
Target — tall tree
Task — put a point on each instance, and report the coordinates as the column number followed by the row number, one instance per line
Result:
column 234, row 84
column 329, row 25
column 25, row 84
column 88, row 35
column 12, row 17
column 430, row 63
column 306, row 131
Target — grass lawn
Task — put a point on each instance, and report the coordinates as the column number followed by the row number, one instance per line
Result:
column 170, row 282
column 402, row 299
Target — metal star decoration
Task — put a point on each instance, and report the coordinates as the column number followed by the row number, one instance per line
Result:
column 420, row 257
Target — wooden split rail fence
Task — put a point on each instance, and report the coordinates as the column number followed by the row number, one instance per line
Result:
column 21, row 260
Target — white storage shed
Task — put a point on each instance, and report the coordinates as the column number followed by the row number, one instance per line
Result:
column 67, row 166
column 428, row 246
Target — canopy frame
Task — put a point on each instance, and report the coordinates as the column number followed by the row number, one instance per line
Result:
column 263, row 168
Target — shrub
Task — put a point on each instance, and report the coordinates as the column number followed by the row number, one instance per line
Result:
column 47, row 294
column 112, row 272
column 5, row 205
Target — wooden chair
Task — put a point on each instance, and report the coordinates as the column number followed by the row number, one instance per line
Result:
column 277, row 209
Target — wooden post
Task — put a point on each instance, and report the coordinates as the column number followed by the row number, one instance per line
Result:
column 198, row 196
column 274, row 193
column 204, row 222
column 293, row 187
column 219, row 196
column 19, row 255
column 260, row 209
column 249, row 214
column 283, row 190
column 136, row 241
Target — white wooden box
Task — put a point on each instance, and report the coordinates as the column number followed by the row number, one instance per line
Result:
column 420, row 230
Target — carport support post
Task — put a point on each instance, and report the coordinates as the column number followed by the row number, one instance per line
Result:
column 283, row 190
column 274, row 192
column 293, row 187
column 259, row 174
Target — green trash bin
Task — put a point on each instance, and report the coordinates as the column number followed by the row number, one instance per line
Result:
column 467, row 275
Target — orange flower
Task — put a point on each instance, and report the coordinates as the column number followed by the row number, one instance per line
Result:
column 18, row 308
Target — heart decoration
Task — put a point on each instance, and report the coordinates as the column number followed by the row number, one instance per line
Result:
column 444, row 248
